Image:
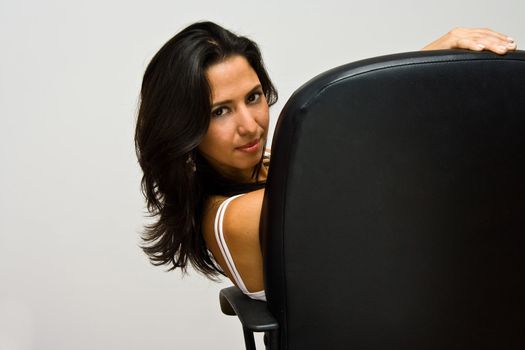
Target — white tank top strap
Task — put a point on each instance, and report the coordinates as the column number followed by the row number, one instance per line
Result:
column 225, row 251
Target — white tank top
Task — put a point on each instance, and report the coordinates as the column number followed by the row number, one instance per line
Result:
column 219, row 236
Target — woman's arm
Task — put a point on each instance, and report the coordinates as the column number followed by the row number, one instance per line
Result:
column 241, row 233
column 241, row 230
column 474, row 39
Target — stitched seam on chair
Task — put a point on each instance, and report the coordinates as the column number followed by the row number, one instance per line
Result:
column 393, row 65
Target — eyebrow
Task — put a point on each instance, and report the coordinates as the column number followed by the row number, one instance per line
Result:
column 225, row 102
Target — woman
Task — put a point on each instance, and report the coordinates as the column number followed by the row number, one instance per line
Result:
column 201, row 133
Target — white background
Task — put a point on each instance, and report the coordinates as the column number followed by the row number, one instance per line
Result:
column 71, row 273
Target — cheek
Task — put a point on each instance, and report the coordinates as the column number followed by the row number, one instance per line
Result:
column 264, row 118
column 207, row 141
column 215, row 137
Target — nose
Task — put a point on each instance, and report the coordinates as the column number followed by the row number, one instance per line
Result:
column 246, row 121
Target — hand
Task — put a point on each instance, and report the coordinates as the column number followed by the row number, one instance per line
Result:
column 474, row 39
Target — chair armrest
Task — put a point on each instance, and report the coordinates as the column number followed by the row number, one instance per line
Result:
column 253, row 314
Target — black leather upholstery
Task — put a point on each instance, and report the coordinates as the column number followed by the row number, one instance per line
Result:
column 394, row 215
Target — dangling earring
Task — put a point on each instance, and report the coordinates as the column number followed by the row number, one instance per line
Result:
column 191, row 162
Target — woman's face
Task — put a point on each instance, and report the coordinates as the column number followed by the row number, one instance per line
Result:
column 238, row 127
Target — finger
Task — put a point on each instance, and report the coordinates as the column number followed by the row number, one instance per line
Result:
column 484, row 36
column 505, row 39
column 495, row 41
column 487, row 39
column 490, row 32
column 497, row 45
column 470, row 44
column 488, row 44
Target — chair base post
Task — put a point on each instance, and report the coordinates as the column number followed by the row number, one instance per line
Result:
column 249, row 341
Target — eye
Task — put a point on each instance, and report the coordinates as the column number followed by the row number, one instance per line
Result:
column 254, row 97
column 217, row 112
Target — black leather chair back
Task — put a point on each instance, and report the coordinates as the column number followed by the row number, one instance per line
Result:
column 394, row 215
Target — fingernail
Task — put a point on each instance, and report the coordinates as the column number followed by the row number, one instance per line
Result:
column 509, row 39
column 511, row 45
column 481, row 46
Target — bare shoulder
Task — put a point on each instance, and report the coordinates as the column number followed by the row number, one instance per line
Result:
column 239, row 211
column 240, row 228
column 243, row 213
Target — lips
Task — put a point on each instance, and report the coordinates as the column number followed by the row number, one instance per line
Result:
column 251, row 146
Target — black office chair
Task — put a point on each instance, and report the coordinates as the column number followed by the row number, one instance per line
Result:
column 394, row 215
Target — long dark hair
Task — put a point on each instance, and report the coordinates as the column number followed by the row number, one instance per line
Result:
column 173, row 117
